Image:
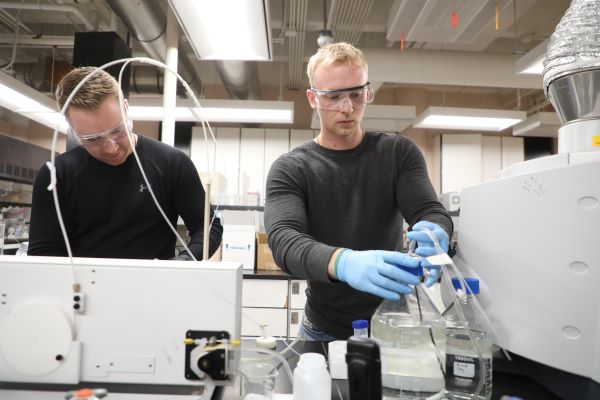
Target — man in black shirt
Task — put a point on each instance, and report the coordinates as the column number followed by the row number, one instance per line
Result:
column 105, row 203
column 348, row 189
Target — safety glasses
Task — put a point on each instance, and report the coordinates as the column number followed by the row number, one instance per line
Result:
column 98, row 140
column 335, row 99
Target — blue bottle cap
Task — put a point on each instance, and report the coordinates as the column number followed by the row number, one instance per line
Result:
column 360, row 324
column 471, row 283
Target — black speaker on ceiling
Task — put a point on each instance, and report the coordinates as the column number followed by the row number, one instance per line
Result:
column 98, row 48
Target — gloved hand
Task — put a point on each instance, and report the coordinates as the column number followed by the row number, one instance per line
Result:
column 377, row 272
column 183, row 256
column 426, row 248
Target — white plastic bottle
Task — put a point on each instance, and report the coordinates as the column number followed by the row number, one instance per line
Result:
column 311, row 378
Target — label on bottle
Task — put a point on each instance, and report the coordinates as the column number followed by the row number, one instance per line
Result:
column 463, row 372
column 465, row 368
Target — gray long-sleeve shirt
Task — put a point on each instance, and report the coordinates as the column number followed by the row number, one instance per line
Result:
column 319, row 199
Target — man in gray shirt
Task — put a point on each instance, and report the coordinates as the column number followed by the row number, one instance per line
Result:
column 335, row 205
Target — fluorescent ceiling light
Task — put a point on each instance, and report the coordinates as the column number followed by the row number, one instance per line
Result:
column 542, row 124
column 226, row 30
column 149, row 108
column 380, row 118
column 28, row 102
column 533, row 61
column 468, row 119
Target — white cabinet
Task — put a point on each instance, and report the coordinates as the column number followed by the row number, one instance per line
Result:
column 297, row 293
column 265, row 302
column 274, row 318
column 265, row 293
column 294, row 322
column 297, row 301
column 277, row 303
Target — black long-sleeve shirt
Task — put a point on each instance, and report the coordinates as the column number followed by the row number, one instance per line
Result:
column 319, row 199
column 108, row 210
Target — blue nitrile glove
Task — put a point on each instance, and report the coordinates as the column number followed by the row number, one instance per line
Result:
column 377, row 272
column 426, row 248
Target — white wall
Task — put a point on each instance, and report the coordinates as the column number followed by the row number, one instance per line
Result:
column 244, row 156
column 242, row 160
column 468, row 159
column 491, row 157
column 461, row 161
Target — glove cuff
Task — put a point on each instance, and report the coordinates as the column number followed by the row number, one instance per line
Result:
column 339, row 264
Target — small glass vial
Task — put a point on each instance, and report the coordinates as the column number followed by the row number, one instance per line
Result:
column 361, row 327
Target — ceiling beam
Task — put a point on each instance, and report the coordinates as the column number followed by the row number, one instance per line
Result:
column 42, row 41
column 456, row 68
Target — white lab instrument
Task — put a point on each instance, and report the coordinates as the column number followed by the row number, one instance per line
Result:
column 125, row 324
column 531, row 238
column 531, row 235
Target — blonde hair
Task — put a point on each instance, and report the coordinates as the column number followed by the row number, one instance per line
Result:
column 335, row 53
column 92, row 93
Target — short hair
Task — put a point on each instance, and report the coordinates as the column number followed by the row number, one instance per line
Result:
column 93, row 92
column 334, row 53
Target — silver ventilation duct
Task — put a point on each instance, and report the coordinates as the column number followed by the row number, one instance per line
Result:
column 240, row 78
column 147, row 22
column 571, row 74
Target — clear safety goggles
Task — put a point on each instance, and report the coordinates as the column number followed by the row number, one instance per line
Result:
column 98, row 140
column 335, row 99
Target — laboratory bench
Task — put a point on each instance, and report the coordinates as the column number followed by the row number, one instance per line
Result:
column 508, row 381
column 260, row 274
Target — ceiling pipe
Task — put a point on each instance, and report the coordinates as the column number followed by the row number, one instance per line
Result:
column 43, row 41
column 240, row 78
column 146, row 20
column 12, row 23
column 147, row 23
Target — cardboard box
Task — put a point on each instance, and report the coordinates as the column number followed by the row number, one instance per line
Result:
column 264, row 256
column 238, row 244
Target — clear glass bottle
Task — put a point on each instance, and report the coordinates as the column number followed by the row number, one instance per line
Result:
column 464, row 367
column 411, row 336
